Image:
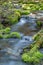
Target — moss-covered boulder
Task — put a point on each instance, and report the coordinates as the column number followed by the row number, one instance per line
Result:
column 6, row 33
column 34, row 55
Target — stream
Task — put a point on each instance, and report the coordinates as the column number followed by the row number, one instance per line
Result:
column 12, row 48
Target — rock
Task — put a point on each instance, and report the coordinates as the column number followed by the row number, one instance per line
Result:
column 28, row 38
column 31, row 15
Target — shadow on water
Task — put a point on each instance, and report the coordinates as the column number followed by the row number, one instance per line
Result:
column 10, row 54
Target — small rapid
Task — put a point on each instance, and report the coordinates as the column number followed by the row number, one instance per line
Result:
column 11, row 49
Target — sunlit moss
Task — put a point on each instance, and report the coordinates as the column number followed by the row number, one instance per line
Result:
column 5, row 33
column 26, row 7
column 7, row 30
column 38, row 35
column 15, row 34
column 34, row 55
column 12, row 35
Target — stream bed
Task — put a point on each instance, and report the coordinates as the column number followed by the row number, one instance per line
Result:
column 11, row 51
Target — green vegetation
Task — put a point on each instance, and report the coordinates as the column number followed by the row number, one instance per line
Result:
column 33, row 6
column 15, row 34
column 10, row 15
column 34, row 55
column 13, row 18
column 39, row 23
column 5, row 33
column 7, row 30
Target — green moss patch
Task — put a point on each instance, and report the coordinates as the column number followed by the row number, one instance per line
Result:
column 34, row 55
column 5, row 33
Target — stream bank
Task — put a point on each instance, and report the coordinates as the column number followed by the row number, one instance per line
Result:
column 15, row 16
column 12, row 48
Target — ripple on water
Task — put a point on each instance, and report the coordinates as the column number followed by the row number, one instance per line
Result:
column 10, row 55
column 26, row 25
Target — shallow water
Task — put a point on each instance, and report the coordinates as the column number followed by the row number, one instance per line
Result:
column 26, row 25
column 12, row 48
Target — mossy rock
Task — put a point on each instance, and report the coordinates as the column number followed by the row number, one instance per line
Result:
column 7, row 30
column 15, row 34
column 12, row 35
column 25, row 12
column 39, row 24
column 6, row 33
column 34, row 55
column 13, row 18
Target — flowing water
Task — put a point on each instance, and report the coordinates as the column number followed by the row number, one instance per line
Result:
column 11, row 51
